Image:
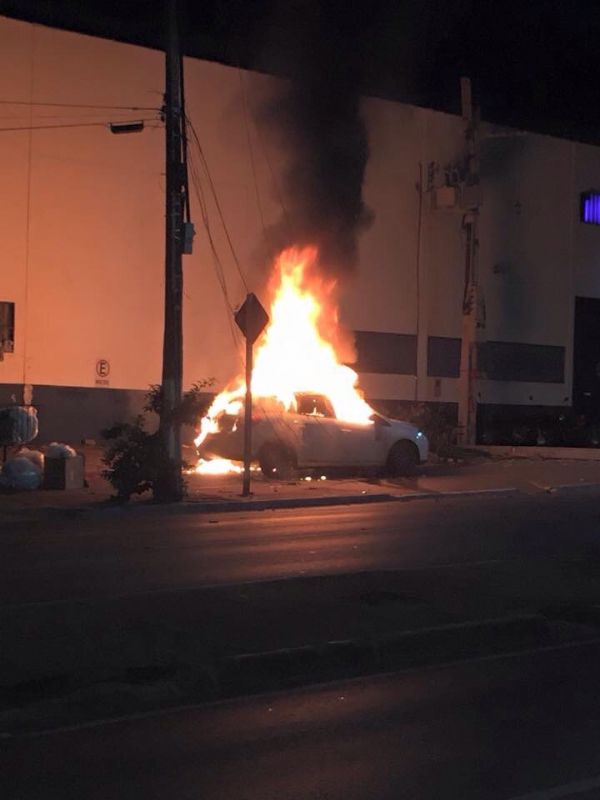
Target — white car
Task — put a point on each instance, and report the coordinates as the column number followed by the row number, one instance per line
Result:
column 311, row 437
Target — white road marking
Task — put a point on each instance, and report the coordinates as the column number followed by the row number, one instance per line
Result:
column 566, row 790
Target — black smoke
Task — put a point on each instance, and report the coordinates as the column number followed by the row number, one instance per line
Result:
column 317, row 120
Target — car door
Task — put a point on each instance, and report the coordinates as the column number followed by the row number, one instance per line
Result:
column 362, row 444
column 321, row 442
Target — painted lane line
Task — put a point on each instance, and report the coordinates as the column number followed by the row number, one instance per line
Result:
column 566, row 790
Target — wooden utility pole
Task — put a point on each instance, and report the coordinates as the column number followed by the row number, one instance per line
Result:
column 467, row 401
column 170, row 485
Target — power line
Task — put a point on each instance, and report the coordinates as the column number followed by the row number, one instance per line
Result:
column 65, row 115
column 217, row 265
column 217, row 204
column 251, row 149
column 78, row 105
column 103, row 124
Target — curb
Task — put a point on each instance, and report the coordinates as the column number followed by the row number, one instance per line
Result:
column 225, row 506
column 252, row 673
column 291, row 502
column 540, row 453
column 336, row 500
column 59, row 700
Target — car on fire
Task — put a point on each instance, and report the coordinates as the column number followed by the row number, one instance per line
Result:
column 311, row 437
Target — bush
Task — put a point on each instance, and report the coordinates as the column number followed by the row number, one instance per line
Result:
column 439, row 424
column 134, row 457
column 194, row 403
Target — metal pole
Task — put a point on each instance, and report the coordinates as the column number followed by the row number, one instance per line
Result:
column 170, row 485
column 248, row 420
column 467, row 403
column 467, row 408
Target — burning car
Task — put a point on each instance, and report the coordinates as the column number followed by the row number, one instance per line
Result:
column 308, row 411
column 310, row 436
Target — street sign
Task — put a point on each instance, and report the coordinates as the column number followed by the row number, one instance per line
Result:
column 251, row 318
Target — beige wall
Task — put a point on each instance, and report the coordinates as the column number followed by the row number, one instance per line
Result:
column 82, row 217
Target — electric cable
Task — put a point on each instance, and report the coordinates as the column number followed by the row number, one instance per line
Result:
column 217, row 265
column 126, row 115
column 77, row 105
column 251, row 150
column 103, row 124
column 217, row 203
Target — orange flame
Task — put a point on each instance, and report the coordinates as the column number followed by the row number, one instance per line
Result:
column 302, row 347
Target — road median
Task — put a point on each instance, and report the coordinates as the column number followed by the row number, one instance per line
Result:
column 104, row 658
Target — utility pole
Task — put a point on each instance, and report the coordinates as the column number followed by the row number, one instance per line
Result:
column 169, row 484
column 467, row 401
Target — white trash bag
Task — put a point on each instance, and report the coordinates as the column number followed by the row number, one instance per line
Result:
column 57, row 450
column 36, row 456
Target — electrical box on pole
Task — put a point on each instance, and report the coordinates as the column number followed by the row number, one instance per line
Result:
column 251, row 318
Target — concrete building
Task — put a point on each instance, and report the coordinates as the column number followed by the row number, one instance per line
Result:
column 81, row 226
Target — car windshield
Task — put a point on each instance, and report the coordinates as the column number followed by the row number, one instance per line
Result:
column 313, row 405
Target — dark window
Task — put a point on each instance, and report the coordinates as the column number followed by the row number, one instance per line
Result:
column 7, row 327
column 386, row 353
column 313, row 405
column 515, row 361
column 443, row 357
column 586, row 357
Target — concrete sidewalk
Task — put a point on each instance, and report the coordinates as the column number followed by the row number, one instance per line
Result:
column 479, row 474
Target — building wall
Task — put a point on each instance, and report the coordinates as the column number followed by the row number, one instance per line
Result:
column 82, row 218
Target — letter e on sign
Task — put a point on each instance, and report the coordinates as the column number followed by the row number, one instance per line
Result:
column 102, row 371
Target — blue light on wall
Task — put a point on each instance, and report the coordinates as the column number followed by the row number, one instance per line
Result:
column 590, row 208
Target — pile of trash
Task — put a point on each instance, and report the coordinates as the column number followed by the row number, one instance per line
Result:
column 25, row 470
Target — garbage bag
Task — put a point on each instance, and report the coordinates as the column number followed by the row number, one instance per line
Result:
column 36, row 456
column 21, row 473
column 58, row 450
column 18, row 425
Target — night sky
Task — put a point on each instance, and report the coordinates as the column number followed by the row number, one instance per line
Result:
column 534, row 63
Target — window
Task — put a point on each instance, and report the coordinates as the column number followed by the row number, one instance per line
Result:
column 313, row 405
column 7, row 327
column 518, row 361
column 385, row 353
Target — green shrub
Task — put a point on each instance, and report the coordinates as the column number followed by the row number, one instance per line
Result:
column 134, row 457
column 194, row 403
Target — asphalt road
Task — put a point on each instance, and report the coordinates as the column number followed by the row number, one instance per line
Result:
column 524, row 726
column 124, row 551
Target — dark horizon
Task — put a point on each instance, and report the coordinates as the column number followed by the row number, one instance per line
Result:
column 531, row 64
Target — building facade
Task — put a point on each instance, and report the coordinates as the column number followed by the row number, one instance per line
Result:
column 82, row 229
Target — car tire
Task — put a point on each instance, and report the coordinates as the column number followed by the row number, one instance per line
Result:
column 276, row 462
column 402, row 460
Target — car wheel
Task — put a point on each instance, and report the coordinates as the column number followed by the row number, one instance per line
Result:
column 276, row 462
column 402, row 459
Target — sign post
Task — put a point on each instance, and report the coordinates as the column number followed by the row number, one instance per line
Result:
column 251, row 318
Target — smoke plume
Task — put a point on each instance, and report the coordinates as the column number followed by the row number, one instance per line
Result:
column 317, row 119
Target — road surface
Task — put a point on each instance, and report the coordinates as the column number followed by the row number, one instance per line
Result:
column 525, row 726
column 123, row 551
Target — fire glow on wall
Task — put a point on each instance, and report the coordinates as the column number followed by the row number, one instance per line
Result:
column 590, row 208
